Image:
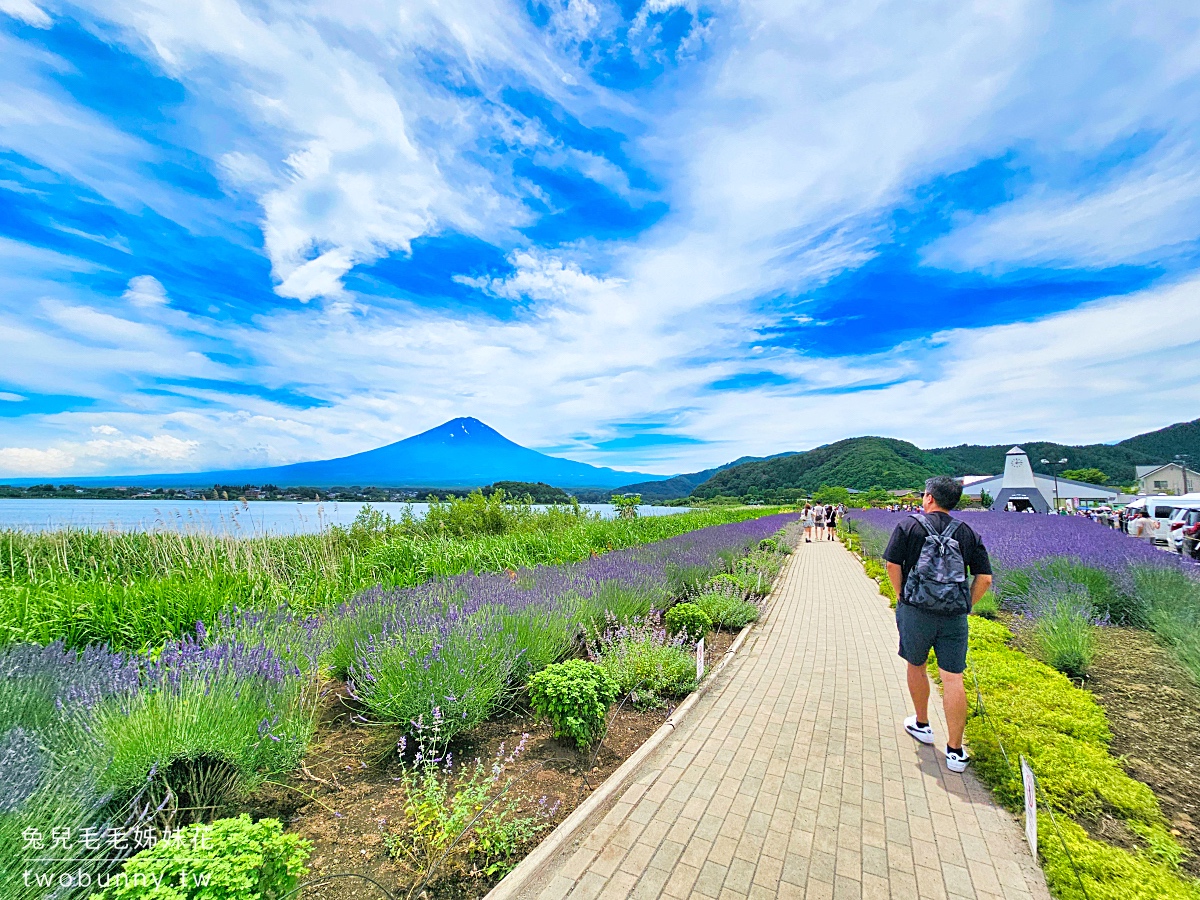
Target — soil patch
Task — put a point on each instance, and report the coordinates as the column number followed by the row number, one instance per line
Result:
column 347, row 794
column 1153, row 711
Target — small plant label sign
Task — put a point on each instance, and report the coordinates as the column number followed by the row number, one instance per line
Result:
column 700, row 659
column 1030, row 783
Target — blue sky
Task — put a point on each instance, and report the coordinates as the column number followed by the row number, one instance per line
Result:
column 650, row 234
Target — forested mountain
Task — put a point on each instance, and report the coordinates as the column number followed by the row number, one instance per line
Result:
column 1117, row 461
column 683, row 485
column 855, row 462
column 868, row 461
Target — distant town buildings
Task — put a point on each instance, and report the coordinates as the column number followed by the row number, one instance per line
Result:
column 1025, row 489
column 1167, row 479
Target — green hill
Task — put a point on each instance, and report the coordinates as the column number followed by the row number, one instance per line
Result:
column 855, row 463
column 683, row 485
column 864, row 462
column 1117, row 461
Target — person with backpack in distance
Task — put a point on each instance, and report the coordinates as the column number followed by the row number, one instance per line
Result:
column 928, row 559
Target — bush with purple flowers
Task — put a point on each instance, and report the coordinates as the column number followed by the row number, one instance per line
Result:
column 643, row 660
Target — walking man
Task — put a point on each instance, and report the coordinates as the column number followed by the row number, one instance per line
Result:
column 928, row 559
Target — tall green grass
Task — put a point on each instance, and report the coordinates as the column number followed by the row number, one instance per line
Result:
column 134, row 591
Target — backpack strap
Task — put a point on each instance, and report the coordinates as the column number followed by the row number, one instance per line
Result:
column 951, row 528
column 924, row 520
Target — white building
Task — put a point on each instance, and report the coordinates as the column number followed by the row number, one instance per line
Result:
column 1170, row 478
column 1024, row 488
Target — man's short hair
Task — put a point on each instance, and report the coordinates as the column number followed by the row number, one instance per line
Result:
column 946, row 491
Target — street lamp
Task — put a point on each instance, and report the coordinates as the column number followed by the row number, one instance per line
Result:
column 1054, row 468
column 1182, row 459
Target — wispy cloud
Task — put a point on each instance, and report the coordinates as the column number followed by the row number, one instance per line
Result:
column 760, row 225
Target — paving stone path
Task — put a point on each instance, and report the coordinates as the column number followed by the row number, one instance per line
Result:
column 793, row 777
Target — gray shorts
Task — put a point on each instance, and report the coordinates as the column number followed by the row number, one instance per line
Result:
column 921, row 631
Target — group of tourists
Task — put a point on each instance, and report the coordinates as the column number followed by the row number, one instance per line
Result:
column 820, row 521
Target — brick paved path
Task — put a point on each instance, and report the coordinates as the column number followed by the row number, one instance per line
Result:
column 793, row 777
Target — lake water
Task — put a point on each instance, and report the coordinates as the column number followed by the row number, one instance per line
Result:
column 215, row 516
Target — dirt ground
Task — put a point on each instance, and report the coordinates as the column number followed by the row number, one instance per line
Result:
column 347, row 794
column 1154, row 713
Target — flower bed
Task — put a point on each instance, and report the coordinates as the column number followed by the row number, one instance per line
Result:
column 161, row 740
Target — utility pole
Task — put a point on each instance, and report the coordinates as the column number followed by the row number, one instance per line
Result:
column 1054, row 468
column 1182, row 459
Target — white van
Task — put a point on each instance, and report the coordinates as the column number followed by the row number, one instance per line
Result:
column 1155, row 527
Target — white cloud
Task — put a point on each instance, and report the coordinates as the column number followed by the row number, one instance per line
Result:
column 146, row 291
column 9, row 397
column 1141, row 217
column 27, row 12
column 780, row 154
column 94, row 456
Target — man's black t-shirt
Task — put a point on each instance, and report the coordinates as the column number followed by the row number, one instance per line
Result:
column 904, row 548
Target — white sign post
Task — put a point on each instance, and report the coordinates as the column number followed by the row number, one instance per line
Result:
column 1030, row 782
column 700, row 660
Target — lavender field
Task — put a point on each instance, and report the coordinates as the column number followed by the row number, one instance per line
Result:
column 1017, row 541
column 1064, row 575
column 112, row 742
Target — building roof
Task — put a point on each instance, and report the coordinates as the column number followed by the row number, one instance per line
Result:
column 1146, row 471
column 1045, row 484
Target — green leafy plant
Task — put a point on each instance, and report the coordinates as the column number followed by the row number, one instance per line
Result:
column 232, row 859
column 574, row 696
column 727, row 609
column 688, row 619
column 459, row 817
column 988, row 606
column 1034, row 711
column 626, row 505
column 1063, row 633
column 1171, row 603
column 877, row 570
column 642, row 660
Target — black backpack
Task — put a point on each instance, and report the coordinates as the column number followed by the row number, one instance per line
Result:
column 938, row 582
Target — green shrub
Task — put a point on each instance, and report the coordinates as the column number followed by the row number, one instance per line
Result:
column 727, row 610
column 207, row 739
column 1120, row 605
column 1172, row 604
column 643, row 661
column 232, row 859
column 988, row 606
column 574, row 696
column 1036, row 712
column 444, row 799
column 1063, row 634
column 457, row 674
column 877, row 571
column 688, row 619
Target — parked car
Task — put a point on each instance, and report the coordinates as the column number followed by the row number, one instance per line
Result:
column 1180, row 523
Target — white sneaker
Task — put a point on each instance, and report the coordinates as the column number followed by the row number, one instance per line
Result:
column 924, row 733
column 956, row 760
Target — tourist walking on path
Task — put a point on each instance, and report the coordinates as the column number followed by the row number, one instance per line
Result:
column 807, row 521
column 928, row 559
column 819, row 519
column 831, row 521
